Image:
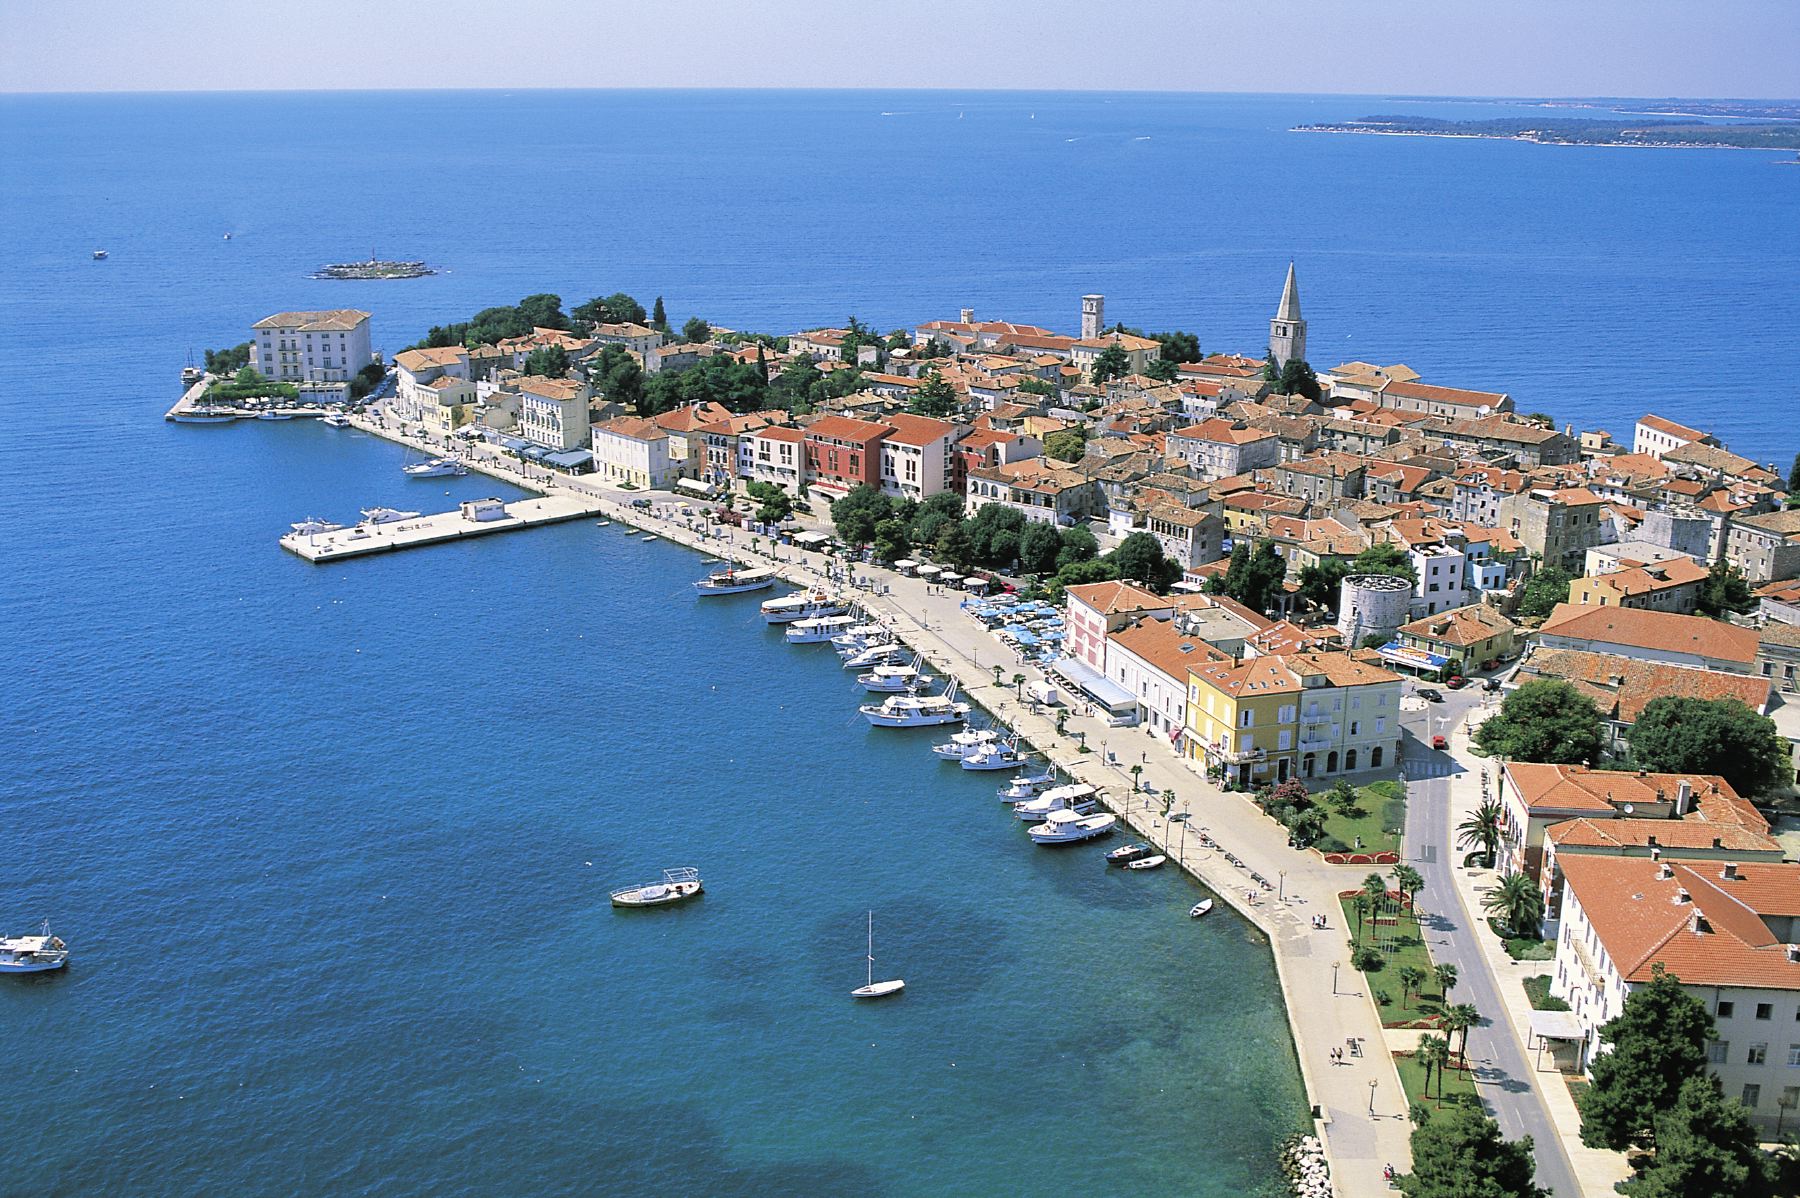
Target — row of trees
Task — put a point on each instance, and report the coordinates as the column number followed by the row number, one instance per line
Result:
column 1549, row 721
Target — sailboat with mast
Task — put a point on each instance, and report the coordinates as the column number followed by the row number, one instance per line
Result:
column 873, row 988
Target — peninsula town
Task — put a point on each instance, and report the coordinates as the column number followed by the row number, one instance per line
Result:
column 1487, row 720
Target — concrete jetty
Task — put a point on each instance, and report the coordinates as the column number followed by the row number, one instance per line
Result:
column 476, row 518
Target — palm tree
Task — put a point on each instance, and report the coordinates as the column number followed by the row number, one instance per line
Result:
column 1435, row 1051
column 1375, row 888
column 1168, row 797
column 997, row 672
column 1429, row 1061
column 1518, row 902
column 1446, row 978
column 1136, row 770
column 1360, row 905
column 1460, row 1018
column 1411, row 978
column 1482, row 829
column 1019, row 687
column 1408, row 881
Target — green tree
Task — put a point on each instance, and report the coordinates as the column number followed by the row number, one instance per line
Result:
column 1460, row 1018
column 1296, row 378
column 616, row 375
column 1481, row 830
column 1657, row 1042
column 223, row 363
column 1793, row 481
column 1543, row 591
column 1434, row 1053
column 1031, row 385
column 617, row 308
column 543, row 311
column 1724, row 591
column 1078, row 545
column 1705, row 1148
column 659, row 317
column 891, row 542
column 1177, row 347
column 1408, row 881
column 1461, row 1154
column 1385, row 558
column 799, row 387
column 955, row 546
column 1445, row 975
column 1546, row 720
column 695, row 331
column 551, row 361
column 897, row 340
column 1111, row 363
column 1677, row 735
column 777, row 504
column 857, row 514
column 1517, row 903
column 1412, row 978
column 1039, row 544
column 720, row 379
column 1374, row 888
column 1067, row 444
column 1163, row 370
column 934, row 397
column 1252, row 577
column 1139, row 558
column 994, row 534
column 1320, row 584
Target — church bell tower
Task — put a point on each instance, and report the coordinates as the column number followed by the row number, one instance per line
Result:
column 1287, row 332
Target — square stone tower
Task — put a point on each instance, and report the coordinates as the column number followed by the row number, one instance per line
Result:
column 1093, row 316
column 1287, row 332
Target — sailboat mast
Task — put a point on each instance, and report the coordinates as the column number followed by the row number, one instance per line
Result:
column 871, row 948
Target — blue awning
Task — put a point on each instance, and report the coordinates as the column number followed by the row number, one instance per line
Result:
column 569, row 457
column 514, row 443
column 1411, row 658
column 1094, row 684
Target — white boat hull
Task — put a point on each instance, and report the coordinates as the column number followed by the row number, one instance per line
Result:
column 882, row 720
column 879, row 989
column 1200, row 908
column 708, row 587
column 993, row 761
column 1087, row 829
column 1032, row 815
column 32, row 966
column 895, row 686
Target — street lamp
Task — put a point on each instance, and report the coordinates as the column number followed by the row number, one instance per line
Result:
column 1372, row 1084
column 1181, row 817
column 1334, row 969
column 1281, row 895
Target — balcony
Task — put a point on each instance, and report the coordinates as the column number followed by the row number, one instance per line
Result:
column 1315, row 744
column 1230, row 757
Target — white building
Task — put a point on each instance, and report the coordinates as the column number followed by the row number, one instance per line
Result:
column 1656, row 436
column 638, row 339
column 1150, row 658
column 916, row 456
column 631, row 450
column 1729, row 932
column 554, row 412
column 414, row 369
column 1219, row 448
column 778, row 456
column 326, row 347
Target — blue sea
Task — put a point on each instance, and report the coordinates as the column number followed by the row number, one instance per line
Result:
column 333, row 845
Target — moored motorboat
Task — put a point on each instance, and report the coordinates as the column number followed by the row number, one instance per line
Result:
column 916, row 711
column 435, row 468
column 335, row 420
column 677, row 885
column 997, row 757
column 33, row 954
column 1077, row 797
column 817, row 630
column 386, row 515
column 894, row 680
column 859, row 636
column 965, row 743
column 204, row 415
column 1071, row 827
column 1152, row 862
column 1025, row 786
column 312, row 526
column 802, row 605
column 733, row 581
column 272, row 415
column 1200, row 908
column 1125, row 854
column 889, row 653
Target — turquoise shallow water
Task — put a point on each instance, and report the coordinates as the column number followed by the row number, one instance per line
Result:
column 321, row 836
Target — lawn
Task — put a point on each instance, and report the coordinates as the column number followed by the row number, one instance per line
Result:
column 1412, row 1078
column 1537, row 989
column 1400, row 945
column 1378, row 818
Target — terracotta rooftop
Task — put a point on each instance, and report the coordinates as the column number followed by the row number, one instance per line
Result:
column 1577, row 788
column 1162, row 645
column 1621, row 686
column 1108, row 598
column 1655, row 630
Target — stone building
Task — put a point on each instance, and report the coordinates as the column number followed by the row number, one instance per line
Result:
column 1287, row 332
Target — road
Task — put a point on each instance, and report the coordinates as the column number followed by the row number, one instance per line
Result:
column 1503, row 1072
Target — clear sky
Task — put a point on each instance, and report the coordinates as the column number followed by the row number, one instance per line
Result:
column 1653, row 48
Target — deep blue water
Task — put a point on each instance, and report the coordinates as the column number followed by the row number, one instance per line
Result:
column 321, row 836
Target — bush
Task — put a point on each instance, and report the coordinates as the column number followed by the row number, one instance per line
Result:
column 1383, row 999
column 1367, row 959
column 1537, row 989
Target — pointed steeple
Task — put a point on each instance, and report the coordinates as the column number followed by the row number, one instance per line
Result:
column 1290, row 298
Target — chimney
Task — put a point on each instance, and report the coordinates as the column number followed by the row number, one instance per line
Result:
column 1682, row 897
column 1730, row 872
column 1793, row 952
column 1665, row 872
column 968, row 316
column 1697, row 924
column 1718, row 842
column 1684, row 797
column 1654, row 851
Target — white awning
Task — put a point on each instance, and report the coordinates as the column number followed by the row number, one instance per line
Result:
column 1556, row 1025
column 811, row 538
column 693, row 486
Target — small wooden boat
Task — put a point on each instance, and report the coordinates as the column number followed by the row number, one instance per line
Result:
column 1125, row 854
column 873, row 988
column 677, row 886
column 1154, row 862
column 1200, row 908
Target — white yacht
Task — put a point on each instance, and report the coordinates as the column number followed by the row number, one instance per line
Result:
column 335, row 420
column 894, row 680
column 916, row 711
column 312, row 526
column 386, row 515
column 858, row 636
column 802, row 605
column 818, row 629
column 966, row 743
column 997, row 757
column 733, row 581
column 1077, row 797
column 435, row 468
column 33, row 954
column 1025, row 786
column 1068, row 827
column 677, row 886
column 891, row 653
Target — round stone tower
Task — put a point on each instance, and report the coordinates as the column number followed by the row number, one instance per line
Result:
column 1370, row 605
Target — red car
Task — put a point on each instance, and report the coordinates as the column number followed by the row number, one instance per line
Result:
column 1457, row 682
column 1438, row 742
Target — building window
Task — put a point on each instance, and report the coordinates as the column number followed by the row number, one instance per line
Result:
column 1758, row 1055
column 1248, row 719
column 1752, row 1095
column 1794, row 1056
column 1725, row 1010
column 1717, row 1051
column 1764, row 1010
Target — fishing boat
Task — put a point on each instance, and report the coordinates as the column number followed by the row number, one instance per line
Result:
column 1077, row 798
column 817, row 630
column 966, row 743
column 1200, row 908
column 894, row 680
column 733, row 581
column 892, row 653
column 802, row 605
column 205, row 415
column 33, row 954
column 386, row 515
column 916, row 711
column 1071, row 827
column 312, row 526
column 677, row 886
column 435, row 468
column 872, row 988
column 1025, row 786
column 997, row 757
column 1125, row 854
column 1152, row 862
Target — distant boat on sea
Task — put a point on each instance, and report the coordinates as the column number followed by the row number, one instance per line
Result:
column 873, row 988
column 99, row 255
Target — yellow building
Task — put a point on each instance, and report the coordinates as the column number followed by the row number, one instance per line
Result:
column 1303, row 715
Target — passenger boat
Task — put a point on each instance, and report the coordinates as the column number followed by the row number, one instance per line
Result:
column 677, row 886
column 1200, row 908
column 891, row 653
column 894, row 680
column 817, row 630
column 1071, row 827
column 802, row 605
column 205, row 415
column 873, row 988
column 997, row 757
column 312, row 526
column 386, row 515
column 1025, row 786
column 916, row 711
column 1125, row 854
column 1077, row 797
column 733, row 581
column 1152, row 862
column 435, row 468
column 33, row 954
column 965, row 743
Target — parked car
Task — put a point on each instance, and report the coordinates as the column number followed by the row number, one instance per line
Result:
column 1457, row 682
column 1430, row 695
column 1438, row 742
column 1490, row 685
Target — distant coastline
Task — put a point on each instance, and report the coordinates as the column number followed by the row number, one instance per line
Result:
column 1683, row 135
